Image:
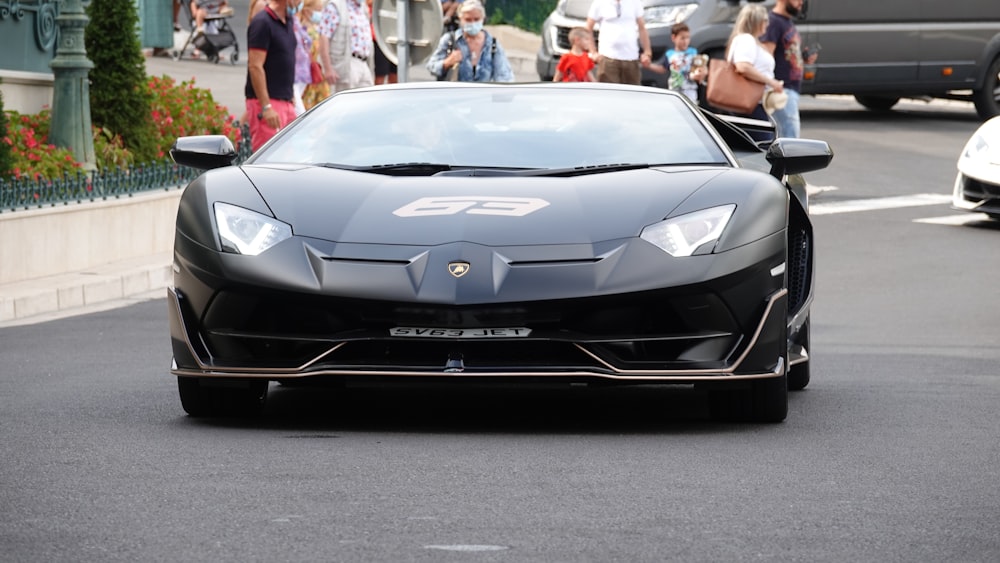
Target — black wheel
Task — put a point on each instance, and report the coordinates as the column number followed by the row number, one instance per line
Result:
column 798, row 373
column 987, row 98
column 877, row 103
column 234, row 58
column 239, row 398
column 765, row 401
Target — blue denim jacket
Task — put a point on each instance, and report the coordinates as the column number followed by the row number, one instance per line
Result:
column 493, row 64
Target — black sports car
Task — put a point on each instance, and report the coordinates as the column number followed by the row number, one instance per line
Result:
column 579, row 233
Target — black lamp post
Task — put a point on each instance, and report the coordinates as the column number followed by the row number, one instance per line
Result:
column 71, row 126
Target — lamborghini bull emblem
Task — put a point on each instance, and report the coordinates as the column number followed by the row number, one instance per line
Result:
column 458, row 269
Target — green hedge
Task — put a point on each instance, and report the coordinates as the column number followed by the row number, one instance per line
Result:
column 525, row 14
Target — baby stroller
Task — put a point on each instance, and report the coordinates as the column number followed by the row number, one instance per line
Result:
column 216, row 36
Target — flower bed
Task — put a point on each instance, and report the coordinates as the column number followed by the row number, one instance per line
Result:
column 43, row 174
column 177, row 110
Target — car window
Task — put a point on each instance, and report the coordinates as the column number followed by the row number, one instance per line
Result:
column 498, row 127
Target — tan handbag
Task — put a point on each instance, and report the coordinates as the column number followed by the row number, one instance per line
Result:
column 731, row 91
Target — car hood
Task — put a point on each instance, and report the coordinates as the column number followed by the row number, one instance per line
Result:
column 355, row 207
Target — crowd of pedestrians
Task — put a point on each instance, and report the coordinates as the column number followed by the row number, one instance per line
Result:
column 301, row 51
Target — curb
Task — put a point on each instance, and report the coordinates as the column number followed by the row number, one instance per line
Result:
column 40, row 299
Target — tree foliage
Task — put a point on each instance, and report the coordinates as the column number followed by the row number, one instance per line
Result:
column 524, row 14
column 119, row 96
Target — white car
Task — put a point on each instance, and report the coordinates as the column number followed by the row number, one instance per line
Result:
column 977, row 187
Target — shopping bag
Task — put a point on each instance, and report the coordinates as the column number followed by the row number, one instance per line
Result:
column 731, row 91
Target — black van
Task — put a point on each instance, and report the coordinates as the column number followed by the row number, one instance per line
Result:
column 885, row 50
column 876, row 50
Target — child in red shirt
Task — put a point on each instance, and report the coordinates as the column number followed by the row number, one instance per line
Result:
column 576, row 66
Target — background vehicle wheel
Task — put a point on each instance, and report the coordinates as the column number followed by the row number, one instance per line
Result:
column 237, row 398
column 765, row 401
column 987, row 99
column 235, row 57
column 798, row 374
column 877, row 103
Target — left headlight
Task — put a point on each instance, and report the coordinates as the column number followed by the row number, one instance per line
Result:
column 682, row 236
column 668, row 15
column 247, row 232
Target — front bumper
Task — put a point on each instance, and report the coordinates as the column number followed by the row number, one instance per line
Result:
column 725, row 317
column 974, row 194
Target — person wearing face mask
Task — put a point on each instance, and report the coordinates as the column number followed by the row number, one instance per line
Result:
column 317, row 89
column 309, row 14
column 472, row 51
column 270, row 70
column 346, row 45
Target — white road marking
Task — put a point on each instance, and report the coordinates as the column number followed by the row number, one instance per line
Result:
column 467, row 547
column 873, row 204
column 813, row 190
column 956, row 220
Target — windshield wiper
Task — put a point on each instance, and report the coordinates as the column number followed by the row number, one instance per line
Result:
column 414, row 168
column 583, row 170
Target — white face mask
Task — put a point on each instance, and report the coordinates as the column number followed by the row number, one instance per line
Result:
column 472, row 28
column 316, row 17
column 292, row 10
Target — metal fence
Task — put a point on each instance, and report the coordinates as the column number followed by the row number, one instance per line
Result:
column 24, row 193
column 525, row 14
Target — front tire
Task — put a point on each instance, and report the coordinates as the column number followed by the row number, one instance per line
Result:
column 202, row 397
column 987, row 98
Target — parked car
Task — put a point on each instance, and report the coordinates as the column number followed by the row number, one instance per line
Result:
column 878, row 52
column 977, row 186
column 459, row 232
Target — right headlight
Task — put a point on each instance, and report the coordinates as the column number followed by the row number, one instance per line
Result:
column 683, row 235
column 247, row 232
column 668, row 15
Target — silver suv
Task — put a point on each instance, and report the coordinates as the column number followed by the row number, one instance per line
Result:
column 878, row 51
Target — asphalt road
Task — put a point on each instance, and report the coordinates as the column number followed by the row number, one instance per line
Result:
column 891, row 454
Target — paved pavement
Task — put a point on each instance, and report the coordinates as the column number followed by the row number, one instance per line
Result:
column 121, row 283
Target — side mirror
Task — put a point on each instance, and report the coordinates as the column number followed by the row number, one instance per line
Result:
column 203, row 152
column 796, row 156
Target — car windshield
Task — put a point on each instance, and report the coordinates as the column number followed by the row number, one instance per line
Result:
column 497, row 127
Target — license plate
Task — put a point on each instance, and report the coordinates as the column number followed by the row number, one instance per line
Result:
column 416, row 332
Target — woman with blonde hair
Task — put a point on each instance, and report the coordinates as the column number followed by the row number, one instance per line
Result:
column 312, row 92
column 749, row 56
